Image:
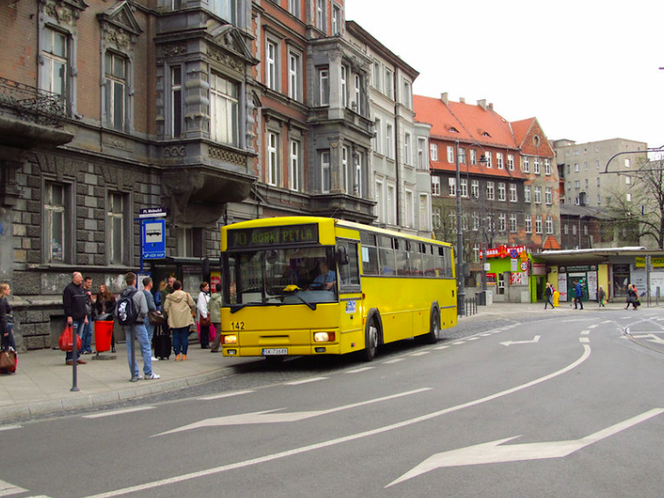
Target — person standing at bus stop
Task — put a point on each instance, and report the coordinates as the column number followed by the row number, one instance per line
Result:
column 179, row 308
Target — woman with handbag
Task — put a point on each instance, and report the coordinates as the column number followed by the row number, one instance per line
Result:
column 203, row 315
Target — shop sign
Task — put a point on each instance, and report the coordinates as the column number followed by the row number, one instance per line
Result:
column 505, row 251
column 640, row 262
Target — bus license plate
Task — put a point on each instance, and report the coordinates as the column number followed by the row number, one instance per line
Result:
column 275, row 351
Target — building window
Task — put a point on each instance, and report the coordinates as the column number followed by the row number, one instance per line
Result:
column 548, row 196
column 462, row 155
column 476, row 221
column 56, row 230
column 490, row 192
column 358, row 174
column 452, row 185
column 389, row 147
column 526, row 165
column 176, row 102
column 628, row 163
column 473, row 157
column 526, row 193
column 510, row 162
column 358, row 93
column 424, row 212
column 116, row 81
column 538, row 195
column 435, row 185
column 272, row 158
column 475, row 189
column 294, row 7
column 513, row 193
column 489, row 160
column 433, row 151
column 389, row 83
column 189, row 242
column 450, row 154
column 55, row 54
column 325, row 171
column 116, row 228
column 344, row 168
column 336, row 20
column 391, row 204
column 294, row 166
column 536, row 168
column 576, row 168
column 294, row 76
column 407, row 149
column 538, row 224
column 323, row 86
column 378, row 136
column 422, row 163
column 499, row 160
column 320, row 14
column 435, row 218
column 226, row 9
column 271, row 65
column 547, row 167
column 464, row 187
column 407, row 96
column 502, row 192
column 565, row 229
column 408, row 209
column 502, row 222
column 344, row 86
column 529, row 224
column 379, row 201
column 513, row 224
column 549, row 225
column 224, row 117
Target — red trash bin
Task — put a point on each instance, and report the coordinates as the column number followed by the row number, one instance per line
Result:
column 103, row 333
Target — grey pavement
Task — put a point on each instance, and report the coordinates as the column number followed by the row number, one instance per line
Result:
column 43, row 383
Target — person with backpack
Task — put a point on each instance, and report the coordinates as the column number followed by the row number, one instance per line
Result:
column 130, row 310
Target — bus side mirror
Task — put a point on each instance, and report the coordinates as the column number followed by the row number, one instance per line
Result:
column 342, row 255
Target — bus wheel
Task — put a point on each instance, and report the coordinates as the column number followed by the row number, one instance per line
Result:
column 370, row 341
column 432, row 336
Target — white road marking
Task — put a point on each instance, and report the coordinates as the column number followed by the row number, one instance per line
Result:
column 494, row 452
column 7, row 489
column 357, row 370
column 420, row 353
column 341, row 440
column 437, row 349
column 453, row 344
column 469, row 339
column 119, row 412
column 395, row 360
column 10, row 428
column 305, row 381
column 532, row 341
column 226, row 395
column 584, row 340
column 483, row 335
column 583, row 332
column 271, row 417
column 589, row 326
column 649, row 337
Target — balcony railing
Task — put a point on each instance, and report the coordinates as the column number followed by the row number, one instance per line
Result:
column 32, row 104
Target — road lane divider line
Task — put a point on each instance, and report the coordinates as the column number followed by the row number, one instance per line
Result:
column 119, row 412
column 225, row 395
column 305, row 381
column 345, row 439
column 358, row 370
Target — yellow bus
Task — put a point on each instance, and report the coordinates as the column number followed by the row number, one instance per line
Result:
column 298, row 286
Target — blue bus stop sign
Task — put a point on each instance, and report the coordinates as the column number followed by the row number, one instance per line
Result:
column 153, row 238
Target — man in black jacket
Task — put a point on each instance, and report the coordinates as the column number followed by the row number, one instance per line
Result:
column 74, row 300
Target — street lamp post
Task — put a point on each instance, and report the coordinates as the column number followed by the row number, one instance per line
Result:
column 461, row 291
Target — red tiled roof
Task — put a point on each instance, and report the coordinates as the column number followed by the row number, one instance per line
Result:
column 551, row 243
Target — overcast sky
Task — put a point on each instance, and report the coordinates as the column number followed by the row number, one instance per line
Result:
column 587, row 70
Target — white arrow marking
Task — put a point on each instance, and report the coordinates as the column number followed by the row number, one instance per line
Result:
column 650, row 337
column 270, row 417
column 534, row 340
column 7, row 489
column 493, row 452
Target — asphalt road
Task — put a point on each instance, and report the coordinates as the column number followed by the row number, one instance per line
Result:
column 551, row 405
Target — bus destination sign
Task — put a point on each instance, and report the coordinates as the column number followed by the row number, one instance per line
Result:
column 250, row 238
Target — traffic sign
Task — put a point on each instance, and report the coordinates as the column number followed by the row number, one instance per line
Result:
column 153, row 238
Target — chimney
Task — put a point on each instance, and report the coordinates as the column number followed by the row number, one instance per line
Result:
column 491, row 105
column 445, row 98
column 482, row 103
column 462, row 100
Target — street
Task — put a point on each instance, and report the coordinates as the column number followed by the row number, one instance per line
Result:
column 564, row 404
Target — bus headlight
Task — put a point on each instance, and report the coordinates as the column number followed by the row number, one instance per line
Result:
column 230, row 339
column 323, row 336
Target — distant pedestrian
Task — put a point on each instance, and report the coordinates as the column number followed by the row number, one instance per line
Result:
column 6, row 319
column 548, row 295
column 147, row 290
column 214, row 307
column 179, row 307
column 73, row 301
column 203, row 315
column 86, row 342
column 632, row 297
column 137, row 330
column 601, row 296
column 578, row 294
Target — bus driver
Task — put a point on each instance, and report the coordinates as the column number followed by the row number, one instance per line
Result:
column 325, row 279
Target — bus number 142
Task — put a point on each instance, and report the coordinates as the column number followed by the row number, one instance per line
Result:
column 237, row 325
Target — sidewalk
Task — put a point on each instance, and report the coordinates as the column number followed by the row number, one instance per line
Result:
column 43, row 382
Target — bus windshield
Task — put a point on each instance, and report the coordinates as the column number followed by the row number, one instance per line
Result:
column 284, row 276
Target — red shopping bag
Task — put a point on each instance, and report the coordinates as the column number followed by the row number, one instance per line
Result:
column 66, row 341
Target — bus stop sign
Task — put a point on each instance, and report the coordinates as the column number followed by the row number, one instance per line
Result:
column 153, row 238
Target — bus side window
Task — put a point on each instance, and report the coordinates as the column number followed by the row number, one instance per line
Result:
column 369, row 254
column 350, row 274
column 386, row 254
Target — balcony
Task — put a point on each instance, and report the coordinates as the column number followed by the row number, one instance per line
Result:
column 31, row 117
